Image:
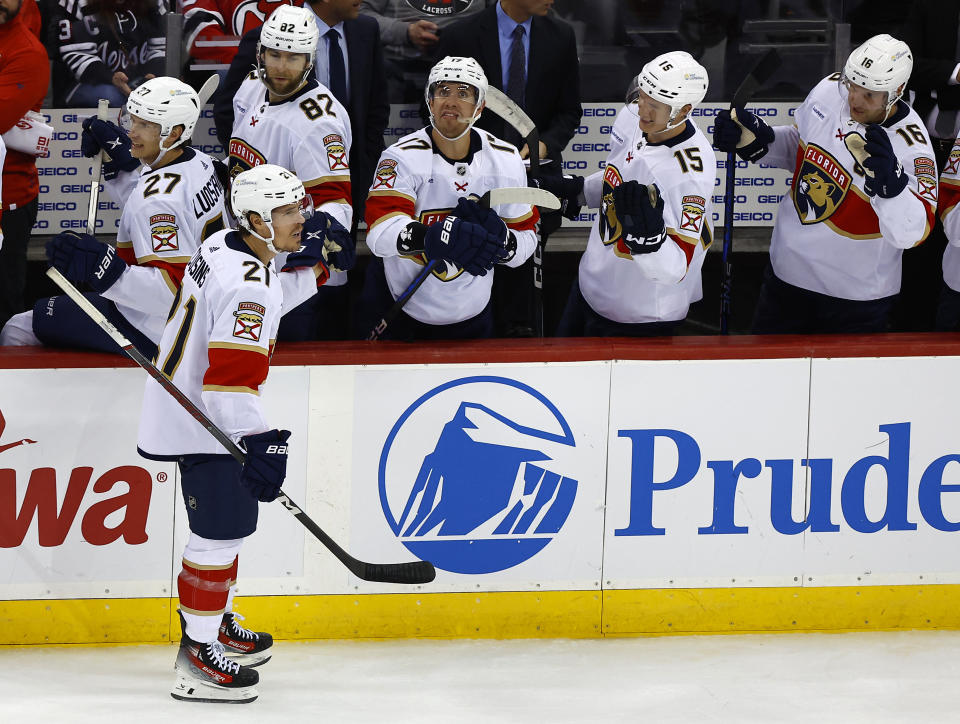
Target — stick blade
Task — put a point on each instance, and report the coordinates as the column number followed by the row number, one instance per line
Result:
column 405, row 573
column 764, row 69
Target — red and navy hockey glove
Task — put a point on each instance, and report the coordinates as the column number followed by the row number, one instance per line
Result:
column 83, row 259
column 266, row 465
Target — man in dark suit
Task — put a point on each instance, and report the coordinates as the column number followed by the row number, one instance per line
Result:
column 932, row 34
column 349, row 62
column 533, row 58
column 366, row 89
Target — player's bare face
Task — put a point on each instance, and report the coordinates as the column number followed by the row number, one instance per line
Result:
column 144, row 139
column 451, row 102
column 866, row 106
column 287, row 227
column 653, row 115
column 284, row 70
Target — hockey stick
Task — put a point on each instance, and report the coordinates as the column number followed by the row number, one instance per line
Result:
column 504, row 106
column 494, row 197
column 764, row 68
column 103, row 106
column 208, row 88
column 411, row 573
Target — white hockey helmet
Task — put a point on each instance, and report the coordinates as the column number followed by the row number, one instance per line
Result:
column 262, row 189
column 676, row 79
column 456, row 69
column 291, row 29
column 882, row 63
column 167, row 102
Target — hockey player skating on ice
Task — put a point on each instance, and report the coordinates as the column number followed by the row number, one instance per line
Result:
column 284, row 116
column 172, row 198
column 864, row 189
column 419, row 209
column 641, row 269
column 216, row 349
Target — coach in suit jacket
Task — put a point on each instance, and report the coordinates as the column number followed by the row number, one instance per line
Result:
column 367, row 103
column 551, row 97
column 931, row 33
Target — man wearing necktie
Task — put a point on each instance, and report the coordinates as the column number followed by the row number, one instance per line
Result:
column 531, row 56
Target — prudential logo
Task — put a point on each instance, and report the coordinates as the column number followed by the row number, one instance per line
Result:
column 477, row 486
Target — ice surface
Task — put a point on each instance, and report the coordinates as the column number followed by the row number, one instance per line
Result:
column 864, row 677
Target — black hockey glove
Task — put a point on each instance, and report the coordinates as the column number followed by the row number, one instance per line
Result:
column 742, row 132
column 464, row 243
column 888, row 178
column 569, row 189
column 640, row 217
column 266, row 466
column 81, row 258
column 110, row 138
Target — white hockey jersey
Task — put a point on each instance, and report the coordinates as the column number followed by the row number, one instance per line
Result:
column 949, row 198
column 830, row 236
column 415, row 182
column 216, row 349
column 308, row 134
column 656, row 287
column 166, row 216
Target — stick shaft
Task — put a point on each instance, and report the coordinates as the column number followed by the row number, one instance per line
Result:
column 415, row 572
column 103, row 107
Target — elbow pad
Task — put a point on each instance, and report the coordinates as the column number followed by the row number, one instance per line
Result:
column 411, row 242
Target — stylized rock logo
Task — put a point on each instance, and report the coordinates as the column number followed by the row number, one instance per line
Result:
column 485, row 497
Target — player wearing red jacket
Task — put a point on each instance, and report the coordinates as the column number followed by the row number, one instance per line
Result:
column 24, row 76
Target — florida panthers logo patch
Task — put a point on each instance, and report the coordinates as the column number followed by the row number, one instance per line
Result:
column 249, row 321
column 925, row 169
column 163, row 233
column 692, row 209
column 386, row 174
column 611, row 230
column 819, row 186
column 952, row 166
column 336, row 152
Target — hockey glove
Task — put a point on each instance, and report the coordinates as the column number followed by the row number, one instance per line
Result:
column 81, row 258
column 470, row 210
column 888, row 178
column 111, row 139
column 569, row 189
column 266, row 465
column 640, row 211
column 464, row 243
column 741, row 131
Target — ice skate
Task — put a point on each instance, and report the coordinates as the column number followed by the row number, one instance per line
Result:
column 205, row 674
column 246, row 647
